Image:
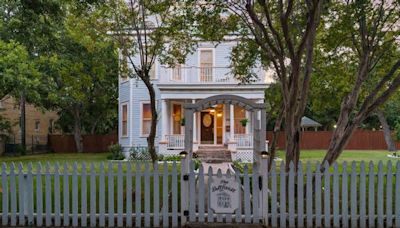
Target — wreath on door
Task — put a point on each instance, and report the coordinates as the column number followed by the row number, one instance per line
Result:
column 207, row 120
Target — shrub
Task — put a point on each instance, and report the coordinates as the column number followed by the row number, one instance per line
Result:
column 116, row 152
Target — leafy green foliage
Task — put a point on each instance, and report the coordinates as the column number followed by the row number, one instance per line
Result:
column 115, row 151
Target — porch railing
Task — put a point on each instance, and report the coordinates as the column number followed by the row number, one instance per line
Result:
column 175, row 142
column 244, row 141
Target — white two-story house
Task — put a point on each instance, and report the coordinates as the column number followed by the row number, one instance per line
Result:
column 205, row 73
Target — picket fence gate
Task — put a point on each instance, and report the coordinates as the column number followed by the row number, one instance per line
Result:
column 109, row 196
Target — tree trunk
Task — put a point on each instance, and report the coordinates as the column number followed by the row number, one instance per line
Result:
column 78, row 131
column 292, row 133
column 154, row 117
column 277, row 128
column 391, row 146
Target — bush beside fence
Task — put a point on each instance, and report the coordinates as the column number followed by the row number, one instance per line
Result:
column 135, row 194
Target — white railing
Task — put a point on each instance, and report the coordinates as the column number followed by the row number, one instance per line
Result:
column 244, row 141
column 175, row 142
column 201, row 75
column 142, row 194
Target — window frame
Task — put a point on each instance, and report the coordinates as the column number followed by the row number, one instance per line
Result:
column 142, row 119
column 199, row 60
column 122, row 120
column 172, row 117
column 37, row 126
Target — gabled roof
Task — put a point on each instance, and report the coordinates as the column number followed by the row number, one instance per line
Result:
column 307, row 122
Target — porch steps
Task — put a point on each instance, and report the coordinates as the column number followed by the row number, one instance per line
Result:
column 214, row 154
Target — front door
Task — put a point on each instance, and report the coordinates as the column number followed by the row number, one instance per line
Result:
column 207, row 128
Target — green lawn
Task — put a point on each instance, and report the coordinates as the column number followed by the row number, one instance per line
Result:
column 97, row 158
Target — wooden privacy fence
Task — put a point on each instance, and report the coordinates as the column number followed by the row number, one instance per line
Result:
column 360, row 140
column 125, row 194
column 91, row 143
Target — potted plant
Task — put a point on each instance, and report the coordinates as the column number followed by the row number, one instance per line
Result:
column 244, row 122
column 183, row 122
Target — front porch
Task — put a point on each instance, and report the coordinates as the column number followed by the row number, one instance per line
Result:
column 227, row 126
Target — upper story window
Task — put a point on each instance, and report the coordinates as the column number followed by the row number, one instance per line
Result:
column 51, row 126
column 206, row 65
column 124, row 120
column 152, row 72
column 177, row 73
column 146, row 119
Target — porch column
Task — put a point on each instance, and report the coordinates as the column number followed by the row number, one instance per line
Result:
column 195, row 141
column 232, row 142
column 194, row 125
column 164, row 120
column 232, row 123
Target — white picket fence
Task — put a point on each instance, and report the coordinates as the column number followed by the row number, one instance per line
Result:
column 125, row 194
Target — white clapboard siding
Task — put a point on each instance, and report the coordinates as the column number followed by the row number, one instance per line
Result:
column 94, row 197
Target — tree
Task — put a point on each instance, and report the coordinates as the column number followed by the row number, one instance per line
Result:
column 281, row 36
column 369, row 31
column 17, row 72
column 83, row 70
column 147, row 30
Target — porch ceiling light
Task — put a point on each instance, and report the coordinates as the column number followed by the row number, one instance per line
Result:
column 264, row 154
column 183, row 154
column 212, row 110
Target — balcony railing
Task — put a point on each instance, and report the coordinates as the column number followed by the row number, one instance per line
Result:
column 201, row 75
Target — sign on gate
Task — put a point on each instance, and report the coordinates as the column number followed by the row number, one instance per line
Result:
column 224, row 195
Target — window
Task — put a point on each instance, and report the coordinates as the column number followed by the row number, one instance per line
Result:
column 239, row 115
column 124, row 123
column 152, row 72
column 177, row 73
column 176, row 119
column 146, row 118
column 51, row 126
column 37, row 125
column 206, row 65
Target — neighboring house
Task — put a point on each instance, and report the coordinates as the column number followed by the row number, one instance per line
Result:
column 39, row 123
column 205, row 73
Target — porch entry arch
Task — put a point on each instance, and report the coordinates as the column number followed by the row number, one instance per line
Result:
column 257, row 111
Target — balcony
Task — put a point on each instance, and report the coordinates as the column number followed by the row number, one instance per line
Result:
column 202, row 75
